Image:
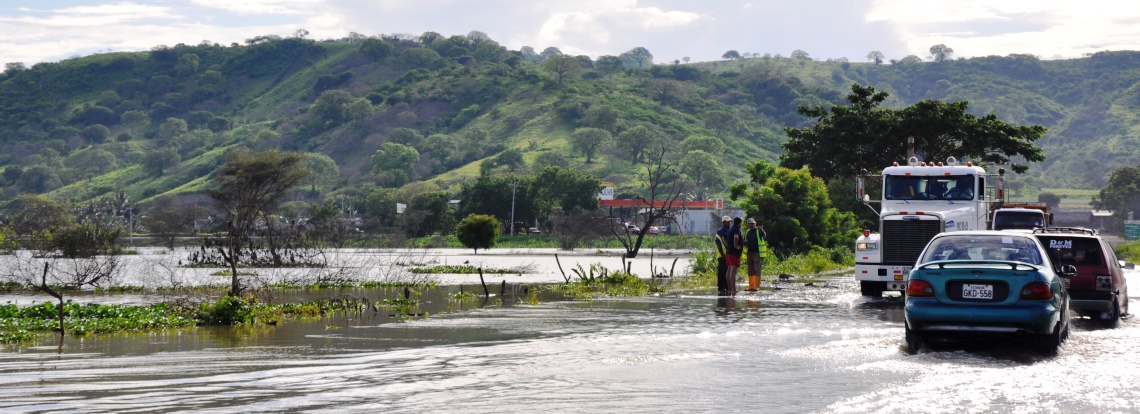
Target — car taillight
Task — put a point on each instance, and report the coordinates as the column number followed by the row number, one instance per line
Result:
column 917, row 288
column 1037, row 291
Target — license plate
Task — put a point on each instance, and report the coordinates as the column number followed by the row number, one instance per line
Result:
column 977, row 291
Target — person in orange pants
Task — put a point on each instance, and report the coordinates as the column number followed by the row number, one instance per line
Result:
column 756, row 245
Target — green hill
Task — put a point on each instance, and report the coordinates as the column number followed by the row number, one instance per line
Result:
column 158, row 123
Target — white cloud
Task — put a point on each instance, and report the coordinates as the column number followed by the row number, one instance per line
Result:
column 1042, row 27
column 250, row 7
column 88, row 16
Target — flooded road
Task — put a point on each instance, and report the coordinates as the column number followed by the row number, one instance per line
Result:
column 798, row 349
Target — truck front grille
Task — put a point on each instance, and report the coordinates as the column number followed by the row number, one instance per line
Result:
column 903, row 240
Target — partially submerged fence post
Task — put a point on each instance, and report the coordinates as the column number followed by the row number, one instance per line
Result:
column 486, row 293
column 673, row 266
column 560, row 268
column 503, row 289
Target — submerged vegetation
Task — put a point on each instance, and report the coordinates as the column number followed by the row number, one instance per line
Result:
column 583, row 282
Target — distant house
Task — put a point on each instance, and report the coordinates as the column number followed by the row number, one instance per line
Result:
column 1100, row 219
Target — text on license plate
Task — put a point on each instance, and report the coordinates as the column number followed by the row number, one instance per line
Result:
column 977, row 291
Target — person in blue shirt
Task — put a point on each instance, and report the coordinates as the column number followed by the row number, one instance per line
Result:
column 721, row 241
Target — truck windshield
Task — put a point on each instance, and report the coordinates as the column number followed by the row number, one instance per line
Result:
column 1018, row 220
column 948, row 187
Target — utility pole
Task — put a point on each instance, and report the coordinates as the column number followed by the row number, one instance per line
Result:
column 513, row 187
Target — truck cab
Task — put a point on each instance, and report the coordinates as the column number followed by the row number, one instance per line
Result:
column 918, row 201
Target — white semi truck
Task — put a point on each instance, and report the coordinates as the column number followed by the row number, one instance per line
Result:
column 918, row 201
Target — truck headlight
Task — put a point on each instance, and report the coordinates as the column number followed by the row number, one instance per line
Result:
column 866, row 246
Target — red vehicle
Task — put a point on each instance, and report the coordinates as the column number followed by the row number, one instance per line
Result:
column 1099, row 290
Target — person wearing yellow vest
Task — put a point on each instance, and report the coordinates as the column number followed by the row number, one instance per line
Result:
column 721, row 240
column 755, row 240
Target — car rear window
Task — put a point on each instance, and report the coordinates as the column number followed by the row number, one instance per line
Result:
column 983, row 247
column 1079, row 251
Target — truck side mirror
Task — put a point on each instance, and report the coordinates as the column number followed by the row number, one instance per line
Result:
column 1068, row 271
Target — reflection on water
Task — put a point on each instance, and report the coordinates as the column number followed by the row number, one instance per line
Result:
column 799, row 349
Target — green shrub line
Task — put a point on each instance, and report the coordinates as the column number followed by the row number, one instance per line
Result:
column 1129, row 252
column 462, row 270
column 25, row 323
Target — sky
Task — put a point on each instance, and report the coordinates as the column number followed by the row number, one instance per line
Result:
column 53, row 30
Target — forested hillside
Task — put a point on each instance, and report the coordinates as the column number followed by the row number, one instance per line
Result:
column 433, row 112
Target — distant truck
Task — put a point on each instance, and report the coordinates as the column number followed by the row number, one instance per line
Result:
column 1020, row 216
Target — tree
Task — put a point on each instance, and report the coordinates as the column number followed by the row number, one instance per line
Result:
column 478, row 231
column 134, row 119
column 168, row 217
column 248, row 186
column 376, row 49
column 635, row 141
column 95, row 134
column 703, row 170
column 910, row 60
column 731, row 55
column 549, row 53
column 600, row 116
column 397, row 160
column 876, row 56
column 608, row 64
column 157, row 161
column 187, row 64
column 941, row 52
column 638, row 57
column 709, row 144
column 663, row 189
column 93, row 161
column 1050, row 199
column 562, row 66
column 511, row 158
column 800, row 54
column 406, row 136
column 1121, row 194
column 324, row 169
column 587, row 141
column 329, row 108
column 875, row 137
column 429, row 213
column 685, row 59
column 171, row 130
column 38, row 179
column 795, row 209
column 565, row 189
column 723, row 122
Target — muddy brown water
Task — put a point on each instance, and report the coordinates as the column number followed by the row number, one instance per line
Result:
column 819, row 348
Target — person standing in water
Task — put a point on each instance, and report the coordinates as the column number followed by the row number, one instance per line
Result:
column 721, row 241
column 734, row 250
column 756, row 244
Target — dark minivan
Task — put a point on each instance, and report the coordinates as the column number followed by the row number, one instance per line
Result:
column 1098, row 290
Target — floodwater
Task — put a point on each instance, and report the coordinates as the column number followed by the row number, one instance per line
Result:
column 819, row 348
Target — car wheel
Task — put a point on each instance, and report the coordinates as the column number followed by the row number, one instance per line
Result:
column 913, row 340
column 1051, row 343
column 871, row 289
column 1113, row 320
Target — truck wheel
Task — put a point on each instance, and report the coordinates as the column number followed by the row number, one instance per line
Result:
column 872, row 289
column 913, row 340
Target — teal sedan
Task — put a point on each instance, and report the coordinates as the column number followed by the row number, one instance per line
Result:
column 975, row 284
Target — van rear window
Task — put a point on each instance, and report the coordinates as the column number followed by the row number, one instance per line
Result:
column 1073, row 251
